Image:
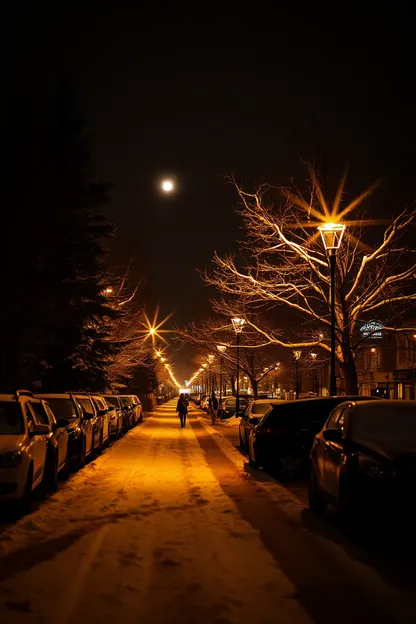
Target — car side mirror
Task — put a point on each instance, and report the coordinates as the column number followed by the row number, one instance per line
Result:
column 40, row 430
column 102, row 412
column 332, row 435
column 88, row 416
column 62, row 423
column 253, row 420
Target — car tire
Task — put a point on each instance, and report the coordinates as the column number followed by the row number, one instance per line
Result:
column 82, row 455
column 24, row 503
column 64, row 474
column 50, row 476
column 315, row 499
column 252, row 462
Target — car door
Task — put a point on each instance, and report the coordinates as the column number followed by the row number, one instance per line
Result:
column 37, row 444
column 333, row 455
column 100, row 405
column 60, row 433
column 88, row 422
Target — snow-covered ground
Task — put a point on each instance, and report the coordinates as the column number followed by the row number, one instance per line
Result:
column 143, row 534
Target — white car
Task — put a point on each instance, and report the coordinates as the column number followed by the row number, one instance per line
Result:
column 23, row 447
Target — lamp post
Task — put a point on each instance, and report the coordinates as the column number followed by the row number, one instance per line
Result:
column 332, row 234
column 276, row 368
column 314, row 384
column 206, row 391
column 210, row 359
column 297, row 354
column 221, row 349
column 238, row 324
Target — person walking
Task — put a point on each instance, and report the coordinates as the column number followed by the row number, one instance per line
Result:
column 182, row 409
column 213, row 405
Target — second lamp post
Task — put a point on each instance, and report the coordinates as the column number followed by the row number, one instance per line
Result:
column 238, row 324
column 332, row 234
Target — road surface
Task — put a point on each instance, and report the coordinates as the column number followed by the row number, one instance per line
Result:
column 169, row 525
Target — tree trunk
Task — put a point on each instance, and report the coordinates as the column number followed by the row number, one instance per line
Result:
column 255, row 387
column 349, row 372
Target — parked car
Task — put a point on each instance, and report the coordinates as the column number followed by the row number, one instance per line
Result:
column 127, row 405
column 90, row 412
column 282, row 440
column 23, row 448
column 136, row 407
column 122, row 411
column 116, row 416
column 229, row 405
column 104, row 415
column 254, row 412
column 80, row 426
column 57, row 459
column 204, row 403
column 364, row 459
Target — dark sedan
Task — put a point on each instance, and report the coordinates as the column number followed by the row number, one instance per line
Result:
column 364, row 459
column 282, row 440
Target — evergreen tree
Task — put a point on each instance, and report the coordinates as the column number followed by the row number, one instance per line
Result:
column 55, row 311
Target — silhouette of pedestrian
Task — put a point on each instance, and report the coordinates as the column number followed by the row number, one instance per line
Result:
column 182, row 409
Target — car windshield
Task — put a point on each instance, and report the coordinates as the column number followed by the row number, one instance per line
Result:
column 125, row 401
column 260, row 408
column 385, row 423
column 63, row 408
column 11, row 420
column 112, row 400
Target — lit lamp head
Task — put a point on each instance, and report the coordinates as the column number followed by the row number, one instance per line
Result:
column 297, row 354
column 277, row 366
column 238, row 324
column 210, row 359
column 313, row 355
column 331, row 234
column 163, row 359
column 204, row 365
column 221, row 348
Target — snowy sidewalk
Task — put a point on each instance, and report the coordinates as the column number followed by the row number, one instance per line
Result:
column 144, row 534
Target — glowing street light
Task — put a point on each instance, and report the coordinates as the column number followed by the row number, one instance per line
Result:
column 108, row 291
column 331, row 234
column 238, row 324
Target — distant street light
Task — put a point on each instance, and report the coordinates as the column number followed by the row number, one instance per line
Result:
column 108, row 291
column 221, row 349
column 332, row 234
column 238, row 324
column 297, row 354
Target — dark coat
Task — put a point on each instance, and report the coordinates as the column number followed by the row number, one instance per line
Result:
column 182, row 406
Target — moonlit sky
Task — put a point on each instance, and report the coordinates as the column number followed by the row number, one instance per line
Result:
column 169, row 95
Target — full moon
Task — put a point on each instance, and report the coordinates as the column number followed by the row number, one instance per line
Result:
column 167, row 186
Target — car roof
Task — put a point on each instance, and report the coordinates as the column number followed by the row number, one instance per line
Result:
column 60, row 395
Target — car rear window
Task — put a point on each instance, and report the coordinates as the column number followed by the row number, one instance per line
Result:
column 63, row 408
column 385, row 423
column 260, row 408
column 112, row 400
column 11, row 419
column 125, row 401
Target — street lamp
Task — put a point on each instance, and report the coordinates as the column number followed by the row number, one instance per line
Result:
column 297, row 354
column 314, row 384
column 276, row 368
column 331, row 234
column 221, row 349
column 238, row 324
column 210, row 359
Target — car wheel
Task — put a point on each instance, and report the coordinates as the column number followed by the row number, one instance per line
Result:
column 64, row 474
column 347, row 504
column 81, row 457
column 24, row 503
column 315, row 499
column 51, row 472
column 290, row 466
column 251, row 462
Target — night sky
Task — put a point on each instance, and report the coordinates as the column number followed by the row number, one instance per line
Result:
column 201, row 94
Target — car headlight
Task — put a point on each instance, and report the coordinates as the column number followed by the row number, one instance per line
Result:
column 10, row 460
column 375, row 469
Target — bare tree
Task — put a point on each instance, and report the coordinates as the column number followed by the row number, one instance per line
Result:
column 256, row 360
column 287, row 266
